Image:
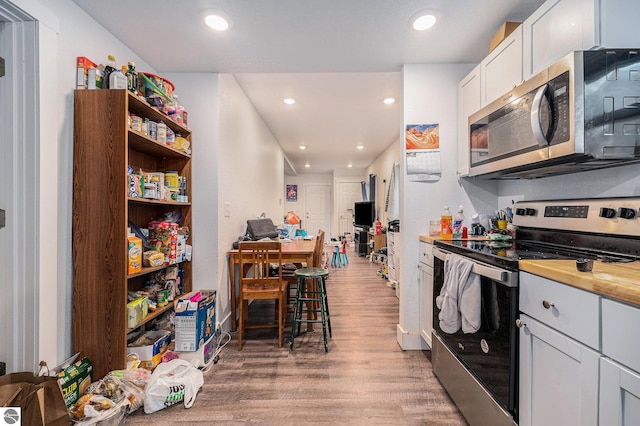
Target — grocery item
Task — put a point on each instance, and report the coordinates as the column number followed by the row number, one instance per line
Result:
column 117, row 79
column 108, row 69
column 445, row 223
column 456, row 228
column 132, row 77
column 134, row 254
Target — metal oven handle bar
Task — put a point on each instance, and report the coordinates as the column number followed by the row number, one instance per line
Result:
column 502, row 276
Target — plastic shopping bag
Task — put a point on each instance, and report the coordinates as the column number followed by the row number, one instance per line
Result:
column 172, row 382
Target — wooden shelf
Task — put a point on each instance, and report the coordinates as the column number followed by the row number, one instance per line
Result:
column 151, row 315
column 104, row 148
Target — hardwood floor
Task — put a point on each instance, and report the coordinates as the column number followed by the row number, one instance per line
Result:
column 365, row 378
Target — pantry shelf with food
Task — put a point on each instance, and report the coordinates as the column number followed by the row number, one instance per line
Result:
column 131, row 221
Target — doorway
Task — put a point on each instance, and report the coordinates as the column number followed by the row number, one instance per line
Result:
column 317, row 208
column 347, row 193
column 18, row 190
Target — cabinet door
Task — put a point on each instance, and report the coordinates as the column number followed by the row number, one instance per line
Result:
column 619, row 394
column 501, row 70
column 426, row 302
column 558, row 378
column 469, row 101
column 557, row 28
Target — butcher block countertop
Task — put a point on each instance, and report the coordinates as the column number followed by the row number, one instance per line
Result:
column 619, row 281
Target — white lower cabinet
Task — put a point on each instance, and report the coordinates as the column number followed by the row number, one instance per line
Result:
column 619, row 394
column 425, row 284
column 619, row 377
column 558, row 378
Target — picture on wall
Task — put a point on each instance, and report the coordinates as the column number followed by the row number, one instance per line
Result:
column 292, row 193
column 422, row 143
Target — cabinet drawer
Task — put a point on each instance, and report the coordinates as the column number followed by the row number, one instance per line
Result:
column 567, row 309
column 620, row 333
column 426, row 253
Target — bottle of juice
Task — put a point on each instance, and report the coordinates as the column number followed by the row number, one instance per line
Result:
column 457, row 223
column 445, row 223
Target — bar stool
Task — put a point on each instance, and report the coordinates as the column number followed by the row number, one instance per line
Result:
column 311, row 298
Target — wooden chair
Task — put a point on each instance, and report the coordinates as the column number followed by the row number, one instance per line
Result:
column 257, row 283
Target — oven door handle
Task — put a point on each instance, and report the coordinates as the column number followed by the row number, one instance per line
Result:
column 500, row 275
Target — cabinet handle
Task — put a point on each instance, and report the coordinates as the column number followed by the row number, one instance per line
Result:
column 520, row 323
column 547, row 305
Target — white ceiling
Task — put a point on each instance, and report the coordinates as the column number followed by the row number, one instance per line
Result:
column 338, row 58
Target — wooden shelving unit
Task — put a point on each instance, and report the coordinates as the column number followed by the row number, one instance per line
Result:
column 104, row 146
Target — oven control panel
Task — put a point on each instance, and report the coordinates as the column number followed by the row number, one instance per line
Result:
column 619, row 216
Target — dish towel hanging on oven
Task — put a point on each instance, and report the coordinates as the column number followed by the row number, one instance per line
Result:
column 459, row 299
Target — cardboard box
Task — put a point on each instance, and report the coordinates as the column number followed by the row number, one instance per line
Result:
column 195, row 319
column 137, row 310
column 74, row 380
column 151, row 355
column 504, row 31
column 83, row 66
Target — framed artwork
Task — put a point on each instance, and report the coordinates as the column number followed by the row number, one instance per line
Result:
column 292, row 193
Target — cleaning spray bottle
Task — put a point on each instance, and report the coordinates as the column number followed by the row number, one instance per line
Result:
column 457, row 223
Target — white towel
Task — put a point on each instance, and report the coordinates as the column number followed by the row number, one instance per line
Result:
column 459, row 299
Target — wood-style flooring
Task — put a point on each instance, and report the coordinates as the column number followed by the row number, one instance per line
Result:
column 364, row 379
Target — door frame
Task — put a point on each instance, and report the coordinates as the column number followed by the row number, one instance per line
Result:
column 19, row 180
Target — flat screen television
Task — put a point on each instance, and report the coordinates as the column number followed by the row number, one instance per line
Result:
column 364, row 213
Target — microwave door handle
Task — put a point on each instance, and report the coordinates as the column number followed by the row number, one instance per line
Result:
column 536, row 127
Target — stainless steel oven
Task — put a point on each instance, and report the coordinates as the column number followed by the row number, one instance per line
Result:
column 479, row 370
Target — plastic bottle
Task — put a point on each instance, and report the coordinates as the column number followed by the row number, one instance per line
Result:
column 132, row 77
column 108, row 69
column 117, row 80
column 456, row 228
column 445, row 223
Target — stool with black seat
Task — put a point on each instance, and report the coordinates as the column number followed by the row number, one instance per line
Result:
column 259, row 282
column 311, row 296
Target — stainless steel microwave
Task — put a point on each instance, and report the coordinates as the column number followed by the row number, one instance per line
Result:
column 581, row 113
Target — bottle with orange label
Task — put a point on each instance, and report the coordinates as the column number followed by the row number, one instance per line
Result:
column 445, row 223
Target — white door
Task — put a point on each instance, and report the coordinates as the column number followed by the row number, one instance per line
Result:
column 317, row 208
column 348, row 194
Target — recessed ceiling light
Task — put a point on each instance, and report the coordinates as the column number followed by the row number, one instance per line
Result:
column 424, row 20
column 360, row 147
column 349, row 165
column 307, row 165
column 216, row 20
column 302, row 147
column 389, row 101
column 289, row 101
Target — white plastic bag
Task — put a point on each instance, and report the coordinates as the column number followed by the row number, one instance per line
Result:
column 172, row 382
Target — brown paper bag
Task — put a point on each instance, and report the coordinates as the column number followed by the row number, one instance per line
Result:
column 39, row 398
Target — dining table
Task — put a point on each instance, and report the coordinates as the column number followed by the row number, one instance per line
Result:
column 294, row 251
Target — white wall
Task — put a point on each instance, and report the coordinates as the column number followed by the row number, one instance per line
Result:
column 429, row 96
column 381, row 167
column 251, row 176
column 614, row 182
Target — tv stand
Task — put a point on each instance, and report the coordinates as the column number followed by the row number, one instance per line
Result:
column 362, row 241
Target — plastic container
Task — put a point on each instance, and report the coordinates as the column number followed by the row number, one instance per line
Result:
column 445, row 223
column 434, row 228
column 456, row 228
column 117, row 80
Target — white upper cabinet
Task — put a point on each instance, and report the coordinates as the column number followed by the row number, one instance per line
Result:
column 559, row 27
column 501, row 70
column 469, row 101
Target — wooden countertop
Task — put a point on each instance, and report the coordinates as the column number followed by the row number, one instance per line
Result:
column 432, row 238
column 619, row 281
